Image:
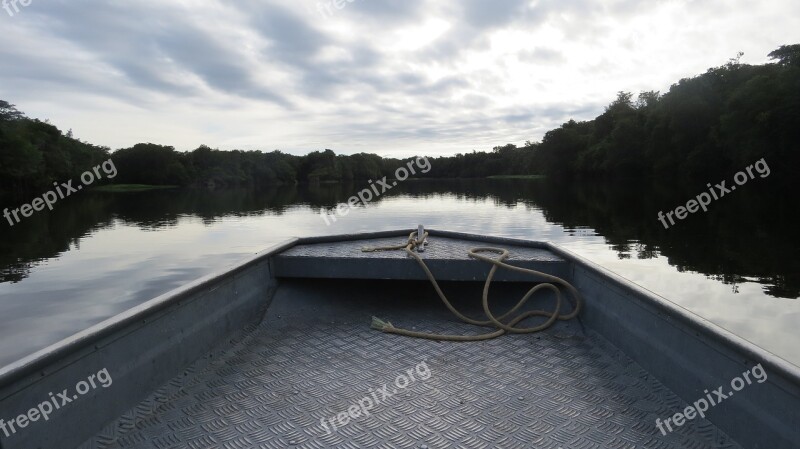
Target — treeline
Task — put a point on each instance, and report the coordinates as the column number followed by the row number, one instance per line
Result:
column 34, row 154
column 206, row 167
column 713, row 124
column 709, row 125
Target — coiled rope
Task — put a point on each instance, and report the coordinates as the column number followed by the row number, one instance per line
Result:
column 510, row 325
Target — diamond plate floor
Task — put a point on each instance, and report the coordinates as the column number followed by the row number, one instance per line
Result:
column 314, row 357
column 442, row 248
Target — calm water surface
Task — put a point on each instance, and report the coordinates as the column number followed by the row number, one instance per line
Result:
column 98, row 254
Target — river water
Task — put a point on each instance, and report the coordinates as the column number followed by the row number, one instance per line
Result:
column 98, row 254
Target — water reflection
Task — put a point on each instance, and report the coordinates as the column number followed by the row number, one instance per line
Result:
column 97, row 254
column 749, row 236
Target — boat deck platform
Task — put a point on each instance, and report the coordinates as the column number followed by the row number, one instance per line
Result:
column 446, row 256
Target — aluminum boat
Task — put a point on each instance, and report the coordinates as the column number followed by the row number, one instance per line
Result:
column 302, row 346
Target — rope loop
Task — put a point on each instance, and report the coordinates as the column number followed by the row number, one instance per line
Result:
column 505, row 323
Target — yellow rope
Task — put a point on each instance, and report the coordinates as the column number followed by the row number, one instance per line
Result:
column 496, row 322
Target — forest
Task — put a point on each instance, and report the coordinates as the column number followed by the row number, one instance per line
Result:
column 708, row 126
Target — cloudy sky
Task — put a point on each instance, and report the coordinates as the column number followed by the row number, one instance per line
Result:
column 397, row 77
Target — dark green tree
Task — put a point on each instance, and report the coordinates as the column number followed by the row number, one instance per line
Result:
column 787, row 55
